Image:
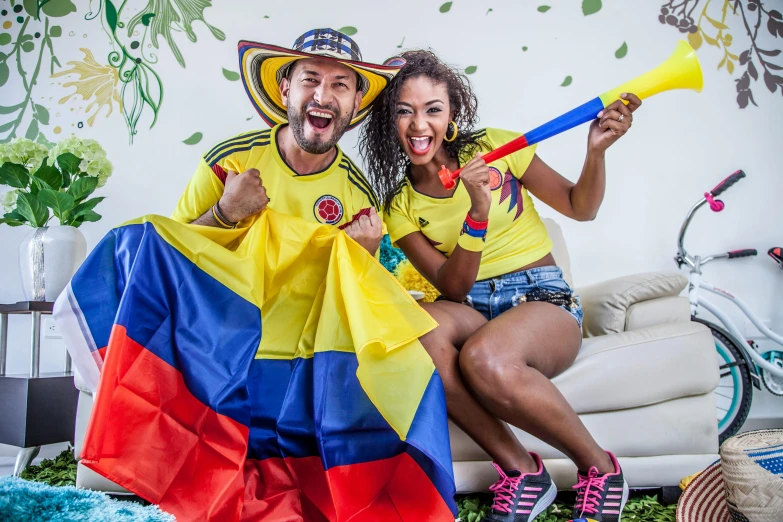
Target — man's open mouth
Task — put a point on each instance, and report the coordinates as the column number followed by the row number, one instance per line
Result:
column 319, row 119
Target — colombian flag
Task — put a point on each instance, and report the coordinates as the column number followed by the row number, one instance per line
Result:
column 267, row 373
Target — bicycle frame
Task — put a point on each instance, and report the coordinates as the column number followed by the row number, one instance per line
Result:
column 696, row 284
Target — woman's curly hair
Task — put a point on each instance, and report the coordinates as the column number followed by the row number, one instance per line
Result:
column 384, row 160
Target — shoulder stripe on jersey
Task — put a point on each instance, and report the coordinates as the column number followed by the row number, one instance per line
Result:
column 349, row 166
column 360, row 187
column 239, row 140
column 260, row 142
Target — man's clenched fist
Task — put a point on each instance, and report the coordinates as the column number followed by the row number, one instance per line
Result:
column 244, row 195
column 367, row 231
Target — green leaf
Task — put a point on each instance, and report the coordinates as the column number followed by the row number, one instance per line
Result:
column 230, row 75
column 111, row 15
column 31, row 6
column 33, row 210
column 83, row 187
column 89, row 216
column 543, row 8
column 471, row 69
column 58, row 8
column 195, row 138
column 43, row 141
column 28, row 46
column 622, row 51
column 50, row 176
column 59, row 202
column 146, row 19
column 83, row 208
column 42, row 113
column 7, row 126
column 3, row 73
column 524, row 47
column 55, row 31
column 68, row 163
column 445, row 8
column 14, row 175
column 348, row 30
column 32, row 130
column 566, row 82
column 591, row 6
column 11, row 222
column 10, row 110
column 5, row 38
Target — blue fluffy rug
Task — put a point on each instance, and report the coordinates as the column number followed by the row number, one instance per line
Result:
column 22, row 501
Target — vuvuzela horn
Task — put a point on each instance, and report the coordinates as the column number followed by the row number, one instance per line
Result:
column 680, row 71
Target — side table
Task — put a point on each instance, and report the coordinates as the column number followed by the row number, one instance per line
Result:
column 36, row 409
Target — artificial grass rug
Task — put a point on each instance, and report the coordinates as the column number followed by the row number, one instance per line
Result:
column 22, row 501
column 59, row 471
column 642, row 509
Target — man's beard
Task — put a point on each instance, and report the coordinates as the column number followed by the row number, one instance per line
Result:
column 296, row 120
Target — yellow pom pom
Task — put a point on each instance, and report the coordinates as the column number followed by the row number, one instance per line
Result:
column 411, row 279
column 684, row 483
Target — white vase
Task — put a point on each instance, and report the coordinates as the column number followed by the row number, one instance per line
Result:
column 48, row 258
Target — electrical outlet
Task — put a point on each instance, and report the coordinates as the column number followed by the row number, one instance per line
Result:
column 50, row 329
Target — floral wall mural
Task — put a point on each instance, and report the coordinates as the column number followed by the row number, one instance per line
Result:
column 124, row 82
column 746, row 31
column 122, row 76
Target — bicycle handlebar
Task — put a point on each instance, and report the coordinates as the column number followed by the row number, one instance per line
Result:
column 743, row 253
column 726, row 183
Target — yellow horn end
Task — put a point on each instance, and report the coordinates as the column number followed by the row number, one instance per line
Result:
column 680, row 71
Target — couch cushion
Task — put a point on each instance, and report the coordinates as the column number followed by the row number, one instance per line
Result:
column 657, row 311
column 678, row 427
column 606, row 304
column 642, row 367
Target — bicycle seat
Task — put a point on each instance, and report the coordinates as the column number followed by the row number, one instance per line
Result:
column 775, row 253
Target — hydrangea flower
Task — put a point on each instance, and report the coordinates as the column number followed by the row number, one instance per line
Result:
column 9, row 200
column 23, row 152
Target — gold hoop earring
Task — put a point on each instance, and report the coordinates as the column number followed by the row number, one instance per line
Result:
column 456, row 132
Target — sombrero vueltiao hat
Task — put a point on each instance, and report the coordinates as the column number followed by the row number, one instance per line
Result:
column 263, row 67
column 746, row 484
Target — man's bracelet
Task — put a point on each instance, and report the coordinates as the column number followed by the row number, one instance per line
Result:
column 220, row 219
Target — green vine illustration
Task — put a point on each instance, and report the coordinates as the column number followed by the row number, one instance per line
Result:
column 142, row 87
column 38, row 12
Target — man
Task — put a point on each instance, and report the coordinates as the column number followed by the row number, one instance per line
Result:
column 310, row 95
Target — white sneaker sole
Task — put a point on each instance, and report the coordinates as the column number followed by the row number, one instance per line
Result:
column 546, row 501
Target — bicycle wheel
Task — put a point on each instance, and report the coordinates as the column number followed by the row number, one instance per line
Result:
column 734, row 393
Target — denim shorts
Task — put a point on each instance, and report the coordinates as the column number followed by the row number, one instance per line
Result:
column 494, row 296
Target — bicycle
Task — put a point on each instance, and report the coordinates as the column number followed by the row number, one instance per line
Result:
column 740, row 361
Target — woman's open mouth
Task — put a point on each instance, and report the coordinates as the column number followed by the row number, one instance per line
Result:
column 420, row 144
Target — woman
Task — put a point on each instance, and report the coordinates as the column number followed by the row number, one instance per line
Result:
column 508, row 321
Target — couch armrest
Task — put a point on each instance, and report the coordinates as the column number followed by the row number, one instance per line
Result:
column 606, row 304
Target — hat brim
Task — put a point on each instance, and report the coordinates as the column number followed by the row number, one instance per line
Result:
column 261, row 68
column 704, row 500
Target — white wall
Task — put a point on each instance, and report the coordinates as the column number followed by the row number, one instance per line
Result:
column 681, row 144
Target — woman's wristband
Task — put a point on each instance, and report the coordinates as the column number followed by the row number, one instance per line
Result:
column 473, row 236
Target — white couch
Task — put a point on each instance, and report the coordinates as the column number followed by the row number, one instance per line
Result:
column 643, row 385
